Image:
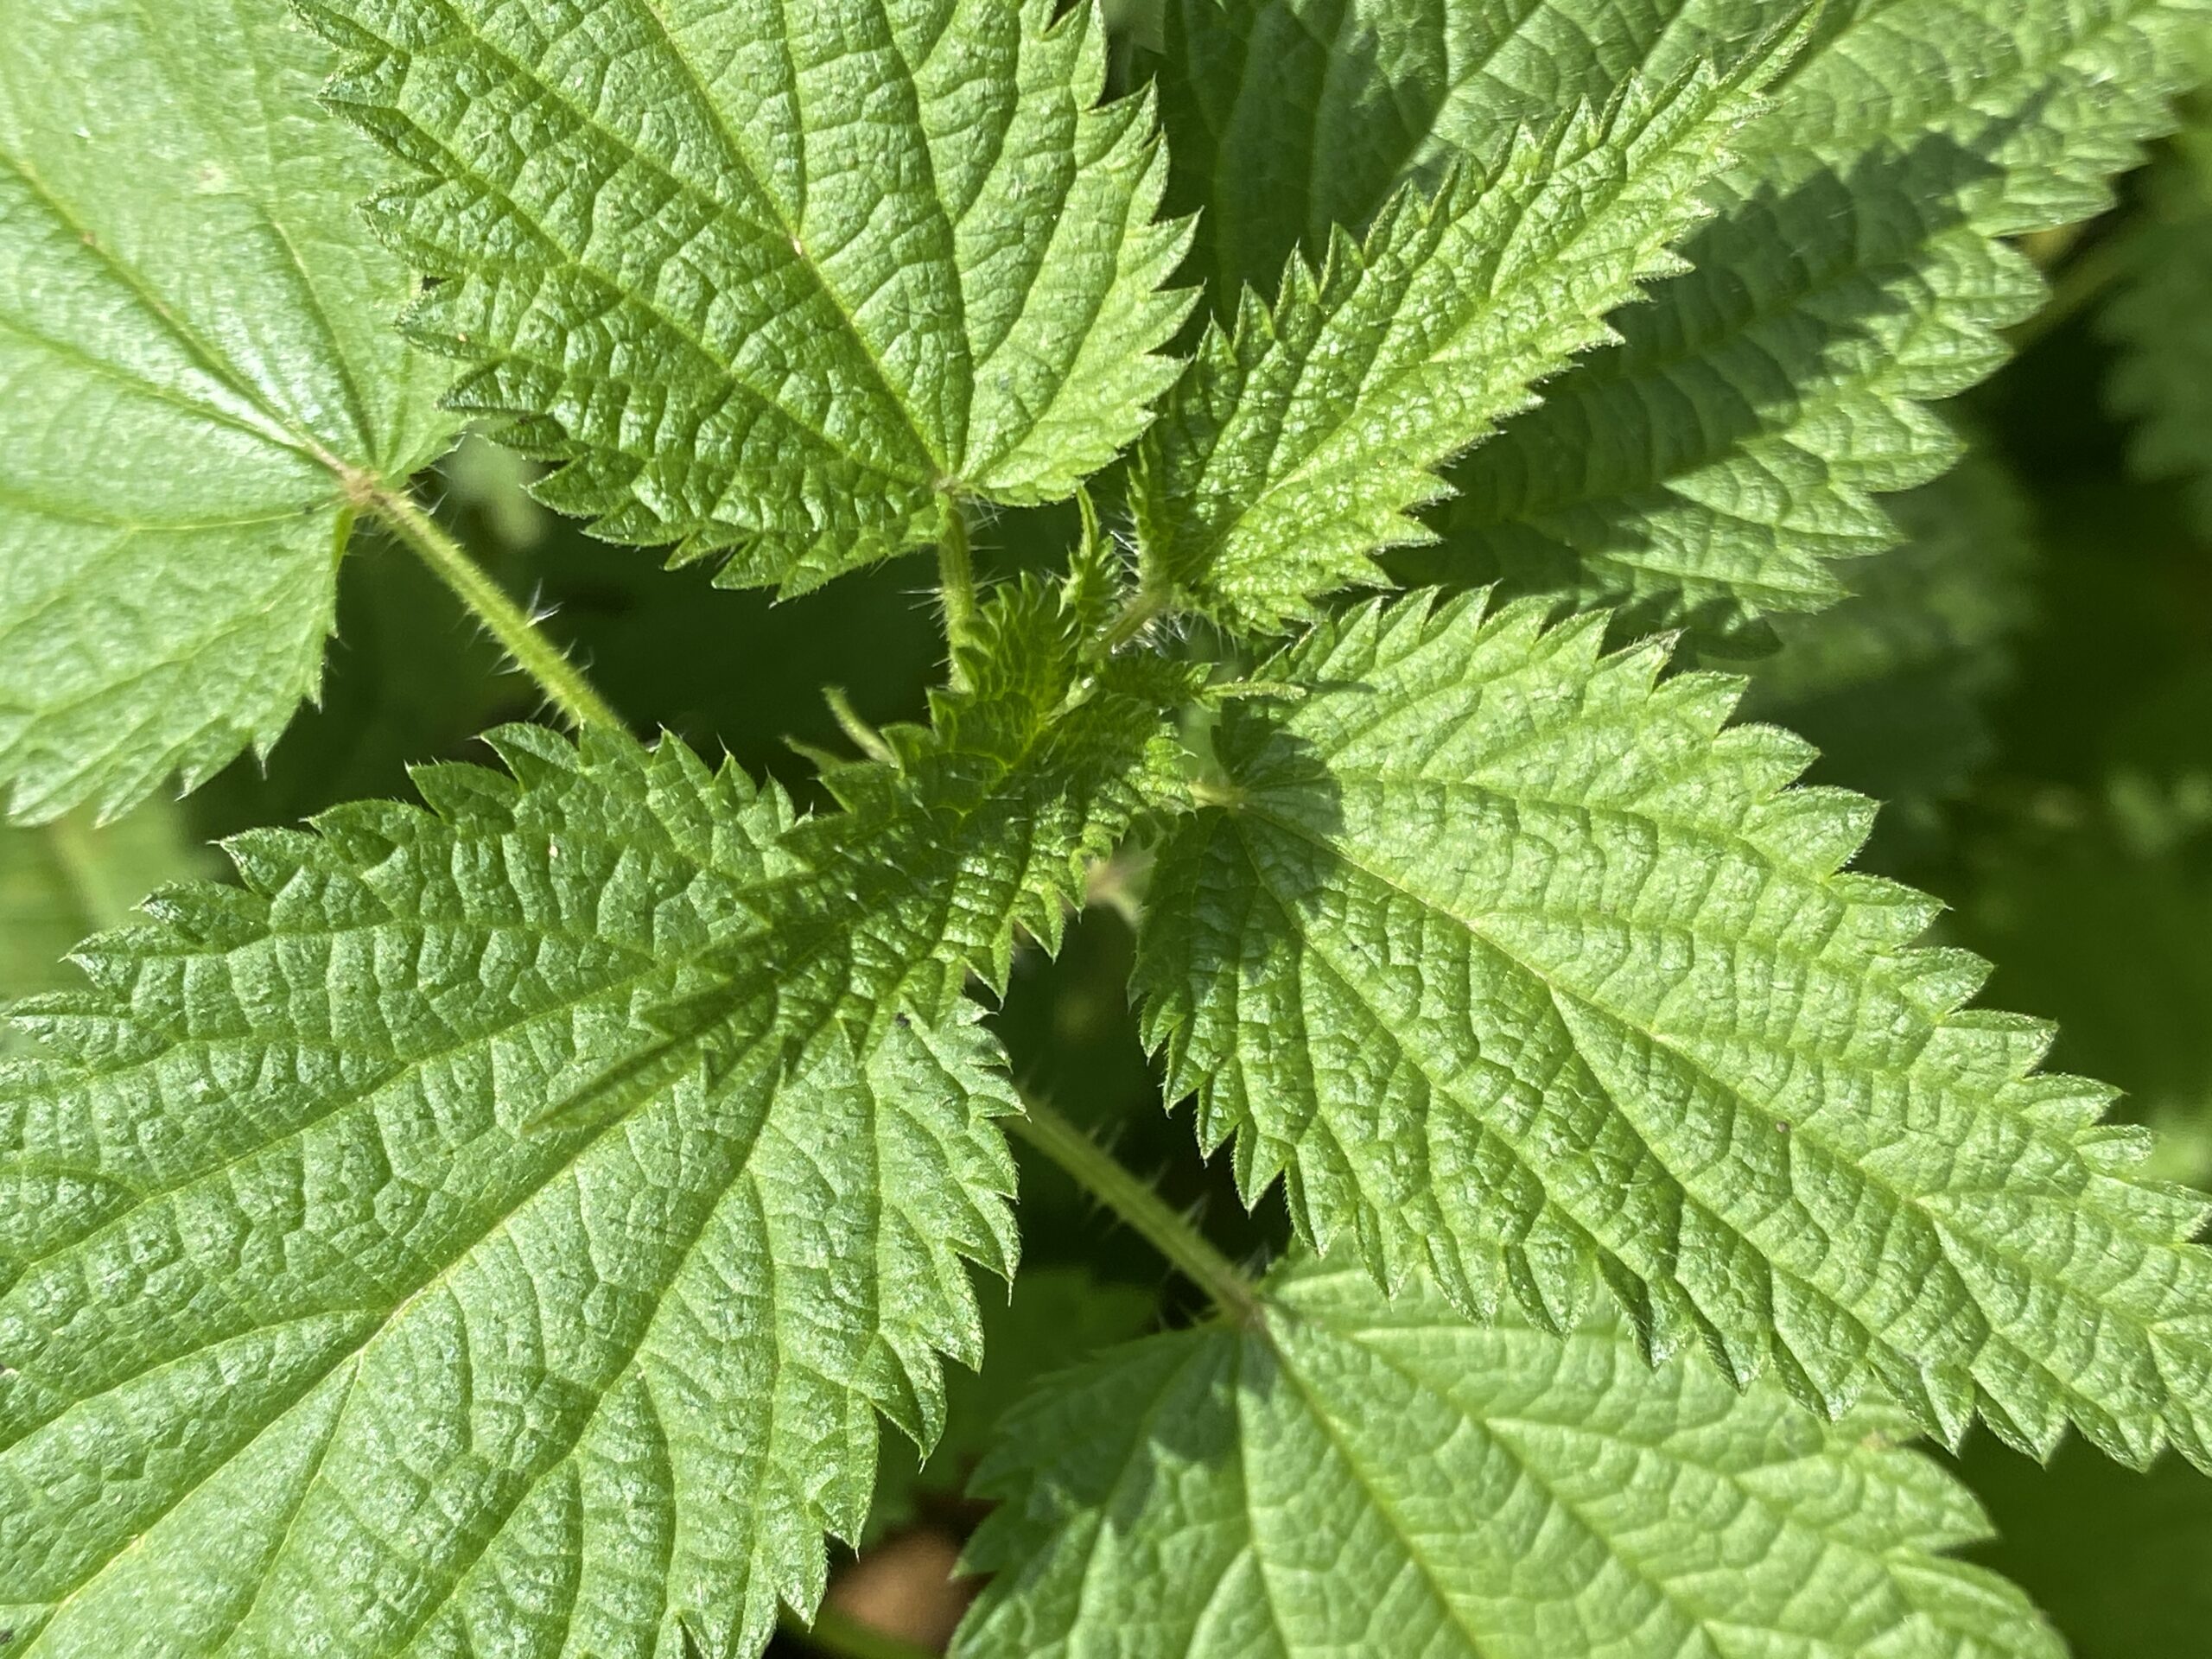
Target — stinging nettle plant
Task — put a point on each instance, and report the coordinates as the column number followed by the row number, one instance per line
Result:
column 500, row 1225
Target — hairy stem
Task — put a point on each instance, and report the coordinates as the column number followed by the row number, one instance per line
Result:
column 1099, row 1173
column 1148, row 604
column 840, row 1637
column 562, row 683
column 956, row 576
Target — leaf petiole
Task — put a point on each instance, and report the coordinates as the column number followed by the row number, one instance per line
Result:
column 1108, row 1180
column 562, row 683
column 955, row 571
column 1146, row 607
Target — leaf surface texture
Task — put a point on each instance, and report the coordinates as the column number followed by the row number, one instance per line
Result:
column 1306, row 434
column 507, row 1220
column 1377, row 1475
column 195, row 353
column 1515, row 963
column 1713, row 467
column 775, row 281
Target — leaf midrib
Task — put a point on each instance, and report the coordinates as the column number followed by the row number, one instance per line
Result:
column 283, row 433
column 1450, row 347
column 1382, row 1506
column 1500, row 1429
column 651, row 1054
column 747, row 163
column 220, row 133
column 1557, row 1211
column 1339, row 852
column 1964, row 1362
column 1336, row 851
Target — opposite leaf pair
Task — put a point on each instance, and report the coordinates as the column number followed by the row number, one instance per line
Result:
column 497, row 1227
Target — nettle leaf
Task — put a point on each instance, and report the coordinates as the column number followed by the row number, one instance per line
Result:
column 1714, row 466
column 529, row 1203
column 501, row 1225
column 775, row 281
column 2161, row 320
column 1512, row 961
column 1305, row 434
column 1034, row 766
column 200, row 374
column 1731, row 452
column 1291, row 120
column 1359, row 1474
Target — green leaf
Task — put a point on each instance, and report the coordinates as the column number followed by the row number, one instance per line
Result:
column 1731, row 451
column 1034, row 767
column 1514, row 963
column 1377, row 1476
column 2161, row 320
column 61, row 881
column 1290, row 119
column 1893, row 684
column 774, row 282
column 509, row 1218
column 1711, row 467
column 199, row 373
column 565, row 1175
column 1305, row 434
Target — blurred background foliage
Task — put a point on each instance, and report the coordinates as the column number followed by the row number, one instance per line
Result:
column 2027, row 685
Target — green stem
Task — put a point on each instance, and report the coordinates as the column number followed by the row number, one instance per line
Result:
column 956, row 575
column 1148, row 605
column 843, row 1637
column 1110, row 1182
column 861, row 735
column 506, row 621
